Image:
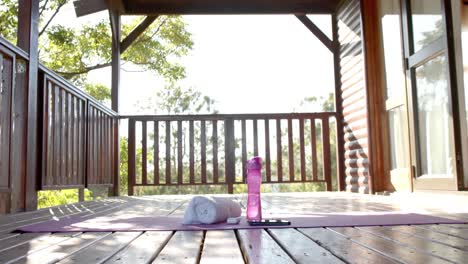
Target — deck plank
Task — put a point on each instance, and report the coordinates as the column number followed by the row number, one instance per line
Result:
column 97, row 211
column 14, row 241
column 221, row 246
column 259, row 247
column 388, row 247
column 184, row 247
column 457, row 232
column 62, row 250
column 143, row 249
column 445, row 239
column 301, row 248
column 103, row 249
column 344, row 248
column 32, row 245
column 430, row 247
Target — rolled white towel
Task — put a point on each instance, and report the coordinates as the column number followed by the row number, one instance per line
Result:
column 210, row 210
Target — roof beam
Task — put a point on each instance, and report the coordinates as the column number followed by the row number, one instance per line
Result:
column 125, row 44
column 86, row 7
column 187, row 7
column 316, row 31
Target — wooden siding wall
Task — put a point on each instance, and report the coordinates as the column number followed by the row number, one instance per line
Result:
column 353, row 96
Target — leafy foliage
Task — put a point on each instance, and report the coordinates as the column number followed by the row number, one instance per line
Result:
column 59, row 197
column 73, row 52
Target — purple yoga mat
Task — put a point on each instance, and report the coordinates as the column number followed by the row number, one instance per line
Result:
column 165, row 223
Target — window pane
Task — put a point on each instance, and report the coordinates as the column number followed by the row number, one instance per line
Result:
column 398, row 138
column 427, row 22
column 435, row 130
column 392, row 44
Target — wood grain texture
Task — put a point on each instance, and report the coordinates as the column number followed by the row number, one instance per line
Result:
column 14, row 253
column 183, row 247
column 143, row 249
column 103, row 249
column 344, row 248
column 430, row 247
column 301, row 248
column 259, row 247
column 396, row 251
column 61, row 250
column 221, row 246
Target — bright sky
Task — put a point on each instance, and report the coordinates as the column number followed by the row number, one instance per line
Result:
column 248, row 64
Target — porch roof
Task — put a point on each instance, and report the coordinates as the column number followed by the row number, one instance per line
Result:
column 187, row 7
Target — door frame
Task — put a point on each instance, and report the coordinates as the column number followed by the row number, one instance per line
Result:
column 443, row 45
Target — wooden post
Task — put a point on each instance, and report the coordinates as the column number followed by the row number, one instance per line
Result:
column 114, row 17
column 28, row 34
column 340, row 166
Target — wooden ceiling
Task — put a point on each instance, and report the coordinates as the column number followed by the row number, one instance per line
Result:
column 187, row 7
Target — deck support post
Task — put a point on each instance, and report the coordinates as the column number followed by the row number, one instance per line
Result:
column 114, row 17
column 340, row 166
column 28, row 35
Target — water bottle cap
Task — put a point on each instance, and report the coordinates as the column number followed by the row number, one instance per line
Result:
column 254, row 164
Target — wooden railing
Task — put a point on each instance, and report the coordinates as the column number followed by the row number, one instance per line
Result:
column 78, row 137
column 213, row 149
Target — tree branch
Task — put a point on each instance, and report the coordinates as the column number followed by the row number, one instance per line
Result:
column 43, row 8
column 51, row 18
column 68, row 75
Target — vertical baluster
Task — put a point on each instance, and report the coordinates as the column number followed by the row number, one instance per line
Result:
column 180, row 165
column 244, row 150
column 192, row 152
column 80, row 143
column 313, row 140
column 131, row 156
column 230, row 153
column 57, row 134
column 302, row 150
column 144, row 153
column 83, row 140
column 69, row 140
column 215, row 151
column 255, row 136
column 203, row 150
column 168, row 152
column 62, row 180
column 267, row 150
column 279, row 150
column 326, row 152
column 72, row 149
column 51, row 134
column 96, row 146
column 291, row 150
column 156, row 152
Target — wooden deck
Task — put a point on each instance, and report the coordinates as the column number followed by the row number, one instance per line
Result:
column 402, row 244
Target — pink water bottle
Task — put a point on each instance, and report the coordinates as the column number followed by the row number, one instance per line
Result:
column 254, row 179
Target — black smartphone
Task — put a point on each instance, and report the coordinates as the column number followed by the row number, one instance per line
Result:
column 270, row 222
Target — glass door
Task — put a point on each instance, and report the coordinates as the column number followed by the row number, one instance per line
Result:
column 429, row 92
column 395, row 95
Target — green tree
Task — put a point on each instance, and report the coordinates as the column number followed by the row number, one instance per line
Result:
column 74, row 52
